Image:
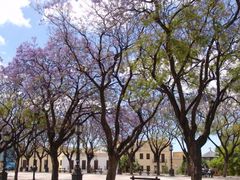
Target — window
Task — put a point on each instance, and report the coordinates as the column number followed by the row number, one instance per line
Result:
column 155, row 169
column 162, row 158
column 141, row 156
column 35, row 162
column 45, row 162
column 83, row 164
column 25, row 163
column 148, row 168
column 148, row 156
column 155, row 158
column 46, row 165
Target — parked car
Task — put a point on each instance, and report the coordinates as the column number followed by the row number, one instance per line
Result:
column 10, row 166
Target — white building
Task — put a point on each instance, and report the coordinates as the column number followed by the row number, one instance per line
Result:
column 100, row 161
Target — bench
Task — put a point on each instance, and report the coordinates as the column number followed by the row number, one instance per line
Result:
column 144, row 178
column 98, row 170
column 62, row 170
column 144, row 171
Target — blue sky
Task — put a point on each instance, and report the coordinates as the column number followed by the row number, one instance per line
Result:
column 19, row 22
column 205, row 148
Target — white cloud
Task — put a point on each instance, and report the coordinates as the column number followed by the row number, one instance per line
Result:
column 11, row 11
column 2, row 41
column 82, row 12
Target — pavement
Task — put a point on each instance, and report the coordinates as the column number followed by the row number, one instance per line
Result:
column 67, row 176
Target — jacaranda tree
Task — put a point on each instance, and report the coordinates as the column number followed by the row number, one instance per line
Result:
column 53, row 89
column 103, row 51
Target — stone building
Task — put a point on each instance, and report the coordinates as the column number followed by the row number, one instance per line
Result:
column 145, row 159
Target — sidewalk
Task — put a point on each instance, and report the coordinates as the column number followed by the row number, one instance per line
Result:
column 67, row 176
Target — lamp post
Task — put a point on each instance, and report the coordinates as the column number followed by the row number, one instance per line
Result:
column 34, row 168
column 77, row 174
column 6, row 138
column 171, row 170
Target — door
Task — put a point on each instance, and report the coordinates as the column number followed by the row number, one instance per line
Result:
column 71, row 164
column 83, row 164
column 95, row 164
column 24, row 163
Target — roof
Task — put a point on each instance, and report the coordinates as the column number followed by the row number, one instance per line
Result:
column 209, row 154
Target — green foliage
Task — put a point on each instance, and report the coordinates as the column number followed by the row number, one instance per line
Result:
column 165, row 169
column 235, row 73
column 182, row 168
column 180, row 49
column 124, row 164
column 2, row 111
column 217, row 164
column 234, row 164
column 29, row 117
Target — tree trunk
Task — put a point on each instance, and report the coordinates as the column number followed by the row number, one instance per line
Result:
column 16, row 168
column 188, row 167
column 70, row 165
column 89, row 165
column 158, row 165
column 112, row 168
column 131, row 167
column 195, row 158
column 90, row 156
column 132, row 160
column 40, row 164
column 225, row 167
column 55, row 164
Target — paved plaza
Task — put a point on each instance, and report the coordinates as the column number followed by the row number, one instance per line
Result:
column 67, row 176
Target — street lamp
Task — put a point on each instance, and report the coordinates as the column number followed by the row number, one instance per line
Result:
column 34, row 168
column 171, row 170
column 77, row 174
column 6, row 138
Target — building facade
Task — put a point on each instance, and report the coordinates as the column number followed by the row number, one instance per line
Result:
column 143, row 156
column 145, row 159
column 100, row 161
